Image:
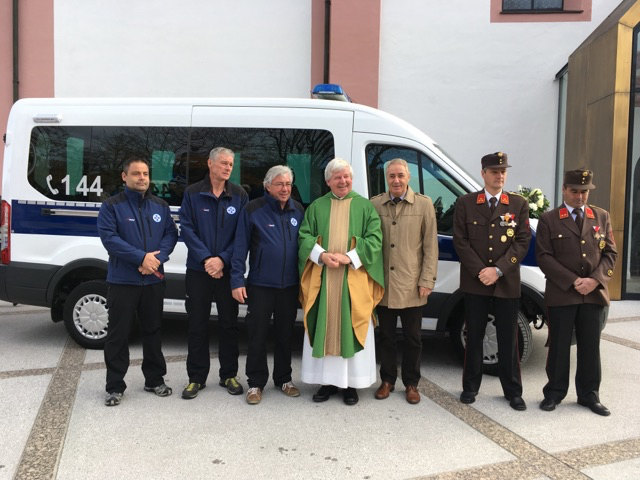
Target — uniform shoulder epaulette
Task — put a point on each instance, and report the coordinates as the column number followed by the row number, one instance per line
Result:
column 379, row 195
column 516, row 194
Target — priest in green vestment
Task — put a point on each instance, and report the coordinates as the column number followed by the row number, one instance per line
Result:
column 342, row 280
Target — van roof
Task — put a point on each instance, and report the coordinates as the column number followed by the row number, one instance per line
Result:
column 366, row 119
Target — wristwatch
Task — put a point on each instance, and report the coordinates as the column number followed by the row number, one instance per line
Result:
column 499, row 272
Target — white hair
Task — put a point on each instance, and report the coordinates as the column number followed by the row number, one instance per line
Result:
column 399, row 161
column 213, row 154
column 336, row 165
column 274, row 172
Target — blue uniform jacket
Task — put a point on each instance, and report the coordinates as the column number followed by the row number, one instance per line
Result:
column 208, row 224
column 131, row 225
column 270, row 235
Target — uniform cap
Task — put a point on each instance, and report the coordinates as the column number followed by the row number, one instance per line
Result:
column 580, row 179
column 495, row 160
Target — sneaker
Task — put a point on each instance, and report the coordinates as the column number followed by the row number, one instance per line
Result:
column 290, row 390
column 161, row 390
column 232, row 385
column 254, row 395
column 191, row 390
column 112, row 399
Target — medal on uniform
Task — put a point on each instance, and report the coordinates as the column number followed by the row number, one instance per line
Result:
column 597, row 235
column 602, row 244
column 503, row 238
column 510, row 232
column 508, row 220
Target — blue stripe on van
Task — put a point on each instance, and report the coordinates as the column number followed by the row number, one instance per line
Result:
column 448, row 253
column 40, row 219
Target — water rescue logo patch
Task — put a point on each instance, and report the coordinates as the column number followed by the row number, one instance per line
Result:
column 231, row 210
column 294, row 222
column 157, row 217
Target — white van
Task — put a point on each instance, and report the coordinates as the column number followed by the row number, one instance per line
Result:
column 64, row 156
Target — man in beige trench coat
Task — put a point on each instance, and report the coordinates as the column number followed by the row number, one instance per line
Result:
column 410, row 251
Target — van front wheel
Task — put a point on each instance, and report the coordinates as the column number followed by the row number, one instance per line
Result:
column 85, row 314
column 458, row 335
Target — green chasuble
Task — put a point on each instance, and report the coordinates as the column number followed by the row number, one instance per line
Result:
column 338, row 304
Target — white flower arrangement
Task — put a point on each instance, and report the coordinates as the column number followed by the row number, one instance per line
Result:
column 538, row 203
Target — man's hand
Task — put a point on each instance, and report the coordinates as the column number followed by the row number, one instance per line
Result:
column 334, row 260
column 240, row 294
column 213, row 266
column 424, row 292
column 145, row 271
column 584, row 286
column 488, row 276
column 150, row 263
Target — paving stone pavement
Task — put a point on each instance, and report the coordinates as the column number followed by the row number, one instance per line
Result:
column 54, row 424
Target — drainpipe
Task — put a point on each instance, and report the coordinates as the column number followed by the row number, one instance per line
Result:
column 16, row 82
column 327, row 37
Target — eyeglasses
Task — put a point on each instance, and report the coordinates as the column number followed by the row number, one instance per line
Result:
column 282, row 185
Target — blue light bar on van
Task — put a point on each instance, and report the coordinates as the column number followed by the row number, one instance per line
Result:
column 330, row 91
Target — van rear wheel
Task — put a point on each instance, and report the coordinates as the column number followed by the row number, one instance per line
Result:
column 86, row 316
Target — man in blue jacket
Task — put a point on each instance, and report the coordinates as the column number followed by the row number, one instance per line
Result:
column 208, row 218
column 139, row 234
column 268, row 230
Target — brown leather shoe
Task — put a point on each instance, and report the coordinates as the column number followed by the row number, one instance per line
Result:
column 412, row 394
column 384, row 390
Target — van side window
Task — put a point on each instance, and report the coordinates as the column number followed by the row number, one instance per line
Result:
column 305, row 151
column 84, row 164
column 427, row 177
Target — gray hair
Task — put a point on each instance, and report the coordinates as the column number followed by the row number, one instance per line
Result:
column 398, row 161
column 336, row 165
column 213, row 154
column 275, row 171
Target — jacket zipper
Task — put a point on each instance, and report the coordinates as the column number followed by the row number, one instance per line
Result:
column 284, row 258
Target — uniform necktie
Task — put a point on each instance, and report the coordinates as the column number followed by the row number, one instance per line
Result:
column 578, row 212
column 492, row 203
column 396, row 200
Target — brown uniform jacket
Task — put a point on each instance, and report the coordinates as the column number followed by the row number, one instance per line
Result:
column 565, row 254
column 409, row 247
column 484, row 239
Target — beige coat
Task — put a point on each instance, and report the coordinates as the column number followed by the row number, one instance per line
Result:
column 409, row 246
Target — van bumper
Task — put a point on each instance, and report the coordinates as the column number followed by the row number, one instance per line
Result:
column 26, row 283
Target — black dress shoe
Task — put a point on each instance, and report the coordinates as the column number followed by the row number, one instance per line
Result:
column 595, row 407
column 517, row 403
column 350, row 396
column 324, row 392
column 467, row 397
column 549, row 404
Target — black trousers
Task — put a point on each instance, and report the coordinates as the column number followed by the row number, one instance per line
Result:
column 505, row 311
column 125, row 303
column 586, row 318
column 411, row 319
column 202, row 289
column 262, row 303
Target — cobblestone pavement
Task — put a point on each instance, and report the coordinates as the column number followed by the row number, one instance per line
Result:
column 54, row 424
